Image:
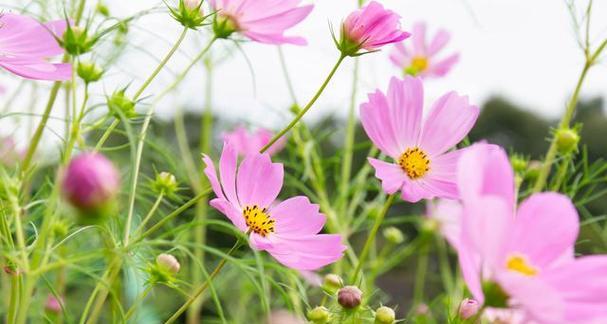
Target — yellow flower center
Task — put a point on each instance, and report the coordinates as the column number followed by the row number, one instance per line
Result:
column 258, row 220
column 414, row 162
column 519, row 263
column 419, row 63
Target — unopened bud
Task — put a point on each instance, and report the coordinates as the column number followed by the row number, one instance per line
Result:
column 519, row 164
column 192, row 4
column 319, row 315
column 76, row 40
column 384, row 315
column 332, row 283
column 102, row 9
column 168, row 262
column 52, row 304
column 468, row 308
column 567, row 140
column 189, row 13
column 165, row 183
column 533, row 169
column 119, row 104
column 89, row 72
column 393, row 235
column 349, row 297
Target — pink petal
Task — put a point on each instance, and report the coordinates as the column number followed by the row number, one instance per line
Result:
column 448, row 213
column 438, row 42
column 211, row 174
column 442, row 67
column 228, row 209
column 308, row 252
column 227, row 172
column 470, row 264
column 546, row 227
column 297, row 216
column 449, row 121
column 391, row 175
column 39, row 70
column 259, row 180
column 484, row 169
column 419, row 39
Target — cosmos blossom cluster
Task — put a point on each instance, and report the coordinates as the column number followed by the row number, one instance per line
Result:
column 517, row 257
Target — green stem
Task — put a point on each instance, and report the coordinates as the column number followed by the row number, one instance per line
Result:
column 147, row 218
column 565, row 121
column 35, row 141
column 346, row 169
column 160, row 66
column 371, row 238
column 204, row 286
column 75, row 133
column 185, row 72
column 420, row 275
column 136, row 302
column 106, row 134
column 306, row 108
column 144, row 129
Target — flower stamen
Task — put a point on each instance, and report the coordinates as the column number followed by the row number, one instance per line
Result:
column 258, row 220
column 519, row 263
column 415, row 163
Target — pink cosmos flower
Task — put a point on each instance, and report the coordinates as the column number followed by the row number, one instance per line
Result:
column 421, row 58
column 528, row 252
column 288, row 230
column 423, row 167
column 447, row 213
column 264, row 21
column 25, row 45
column 370, row 28
column 250, row 143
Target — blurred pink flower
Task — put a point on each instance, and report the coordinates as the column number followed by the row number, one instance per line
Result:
column 447, row 213
column 52, row 304
column 423, row 168
column 421, row 59
column 264, row 21
column 527, row 251
column 25, row 45
column 247, row 143
column 90, row 181
column 372, row 27
column 9, row 153
column 287, row 230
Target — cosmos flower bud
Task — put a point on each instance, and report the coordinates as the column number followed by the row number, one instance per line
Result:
column 52, row 305
column 165, row 183
column 90, row 181
column 468, row 308
column 533, row 169
column 519, row 163
column 168, row 262
column 89, row 71
column 369, row 28
column 393, row 235
column 332, row 283
column 189, row 13
column 567, row 140
column 77, row 41
column 349, row 297
column 102, row 9
column 385, row 315
column 319, row 315
column 120, row 104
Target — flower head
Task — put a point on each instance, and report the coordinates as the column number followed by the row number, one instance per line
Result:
column 90, row 181
column 370, row 28
column 349, row 297
column 423, row 168
column 246, row 142
column 523, row 258
column 422, row 57
column 26, row 44
column 288, row 230
column 263, row 21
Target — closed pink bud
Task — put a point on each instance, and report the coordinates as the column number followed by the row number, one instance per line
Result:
column 191, row 4
column 52, row 304
column 168, row 262
column 370, row 28
column 349, row 297
column 90, row 181
column 468, row 308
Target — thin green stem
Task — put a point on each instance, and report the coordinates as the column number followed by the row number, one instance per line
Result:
column 144, row 129
column 346, row 168
column 565, row 121
column 420, row 274
column 137, row 301
column 371, row 238
column 306, row 108
column 151, row 213
column 205, row 285
column 160, row 66
column 106, row 134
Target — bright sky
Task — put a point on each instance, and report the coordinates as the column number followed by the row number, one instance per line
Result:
column 523, row 50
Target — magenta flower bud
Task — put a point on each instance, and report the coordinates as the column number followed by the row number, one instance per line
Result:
column 90, row 181
column 370, row 28
column 468, row 308
column 52, row 304
column 349, row 297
